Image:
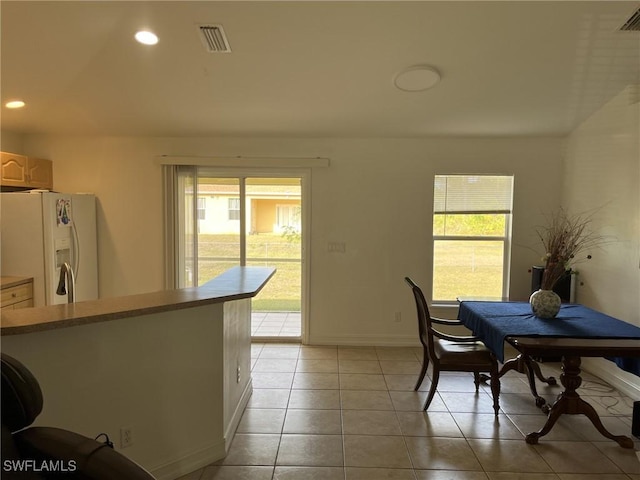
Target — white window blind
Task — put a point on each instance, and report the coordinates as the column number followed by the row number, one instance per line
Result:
column 472, row 194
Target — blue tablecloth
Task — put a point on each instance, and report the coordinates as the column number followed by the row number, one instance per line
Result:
column 628, row 364
column 493, row 321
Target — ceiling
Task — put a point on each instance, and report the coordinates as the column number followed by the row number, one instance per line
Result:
column 313, row 68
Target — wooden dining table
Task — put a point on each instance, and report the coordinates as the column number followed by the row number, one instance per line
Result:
column 577, row 331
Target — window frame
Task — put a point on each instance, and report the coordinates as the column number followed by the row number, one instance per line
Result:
column 506, row 239
column 201, row 208
column 234, row 213
column 292, row 211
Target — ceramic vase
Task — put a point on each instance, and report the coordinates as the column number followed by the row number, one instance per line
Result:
column 545, row 303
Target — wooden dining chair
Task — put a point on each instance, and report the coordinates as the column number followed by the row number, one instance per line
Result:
column 451, row 353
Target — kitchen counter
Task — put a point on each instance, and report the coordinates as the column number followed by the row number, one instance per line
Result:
column 234, row 284
column 9, row 281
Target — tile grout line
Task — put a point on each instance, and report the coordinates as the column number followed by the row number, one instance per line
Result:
column 484, row 468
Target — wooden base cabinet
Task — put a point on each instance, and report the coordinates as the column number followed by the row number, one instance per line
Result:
column 28, row 172
column 16, row 293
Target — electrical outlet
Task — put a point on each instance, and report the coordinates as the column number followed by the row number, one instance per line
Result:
column 398, row 317
column 126, row 437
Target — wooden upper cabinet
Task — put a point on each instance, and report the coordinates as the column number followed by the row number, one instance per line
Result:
column 40, row 173
column 29, row 172
column 14, row 169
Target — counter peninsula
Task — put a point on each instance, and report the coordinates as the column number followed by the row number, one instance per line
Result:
column 234, row 284
column 173, row 367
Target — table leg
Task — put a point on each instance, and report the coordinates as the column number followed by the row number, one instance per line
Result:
column 570, row 402
column 526, row 365
column 538, row 372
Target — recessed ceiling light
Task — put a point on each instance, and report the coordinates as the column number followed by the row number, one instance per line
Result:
column 417, row 78
column 15, row 104
column 146, row 37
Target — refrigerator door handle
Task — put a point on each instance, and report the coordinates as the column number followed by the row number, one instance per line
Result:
column 76, row 250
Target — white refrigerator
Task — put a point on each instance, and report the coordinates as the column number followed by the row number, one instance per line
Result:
column 43, row 230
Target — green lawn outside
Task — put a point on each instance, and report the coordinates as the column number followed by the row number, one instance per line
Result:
column 282, row 293
column 469, row 269
column 453, row 274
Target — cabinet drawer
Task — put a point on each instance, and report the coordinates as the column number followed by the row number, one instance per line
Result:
column 17, row 294
column 25, row 304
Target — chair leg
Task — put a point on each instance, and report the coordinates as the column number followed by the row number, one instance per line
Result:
column 432, row 390
column 476, row 380
column 495, row 387
column 425, row 365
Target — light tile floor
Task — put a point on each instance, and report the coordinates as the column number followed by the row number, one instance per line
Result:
column 276, row 324
column 349, row 413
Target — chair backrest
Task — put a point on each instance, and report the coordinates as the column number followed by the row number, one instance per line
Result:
column 424, row 316
column 21, row 394
column 21, row 404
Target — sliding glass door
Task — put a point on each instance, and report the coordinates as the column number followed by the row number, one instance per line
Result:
column 229, row 220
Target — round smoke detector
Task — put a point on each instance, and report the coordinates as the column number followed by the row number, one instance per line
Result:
column 417, row 78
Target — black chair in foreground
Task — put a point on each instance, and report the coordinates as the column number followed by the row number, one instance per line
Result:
column 451, row 353
column 36, row 453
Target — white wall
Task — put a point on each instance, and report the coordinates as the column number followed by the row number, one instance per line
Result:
column 11, row 142
column 128, row 186
column 602, row 173
column 376, row 196
column 160, row 375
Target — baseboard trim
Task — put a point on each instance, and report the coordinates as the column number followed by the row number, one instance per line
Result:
column 237, row 415
column 368, row 340
column 190, row 462
column 625, row 382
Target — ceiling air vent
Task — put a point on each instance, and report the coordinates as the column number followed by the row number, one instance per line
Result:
column 633, row 24
column 214, row 39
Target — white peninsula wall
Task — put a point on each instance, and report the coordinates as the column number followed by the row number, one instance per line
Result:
column 178, row 375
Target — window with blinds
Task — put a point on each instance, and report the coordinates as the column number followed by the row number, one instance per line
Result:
column 471, row 236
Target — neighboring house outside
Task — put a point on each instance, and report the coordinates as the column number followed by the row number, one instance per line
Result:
column 270, row 209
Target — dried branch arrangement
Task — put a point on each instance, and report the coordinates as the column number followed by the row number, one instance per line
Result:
column 566, row 240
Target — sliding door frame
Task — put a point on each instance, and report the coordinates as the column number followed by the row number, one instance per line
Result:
column 174, row 227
